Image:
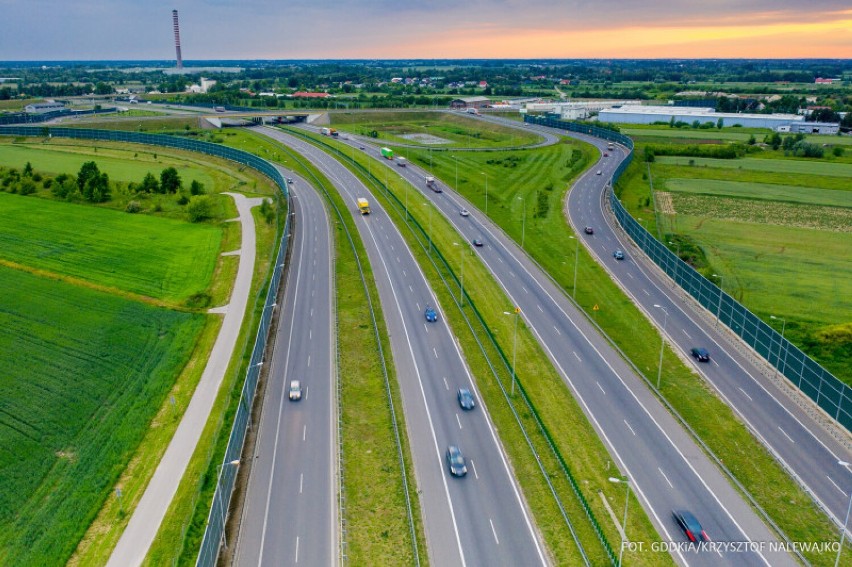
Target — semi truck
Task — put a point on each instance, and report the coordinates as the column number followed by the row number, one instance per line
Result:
column 387, row 153
column 328, row 132
column 401, row 161
column 430, row 183
column 363, row 206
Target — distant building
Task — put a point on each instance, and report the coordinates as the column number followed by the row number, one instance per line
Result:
column 42, row 107
column 821, row 81
column 470, row 102
column 652, row 114
column 203, row 86
column 814, row 128
column 302, row 94
column 577, row 110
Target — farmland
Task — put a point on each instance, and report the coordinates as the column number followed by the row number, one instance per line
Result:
column 762, row 191
column 155, row 257
column 797, row 166
column 81, row 376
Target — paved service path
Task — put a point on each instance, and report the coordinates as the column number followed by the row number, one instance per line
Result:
column 148, row 515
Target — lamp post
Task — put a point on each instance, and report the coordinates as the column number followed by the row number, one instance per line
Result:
column 517, row 314
column 523, row 222
column 576, row 262
column 219, row 468
column 846, row 521
column 625, row 481
column 721, row 291
column 662, row 343
column 486, row 192
column 781, row 343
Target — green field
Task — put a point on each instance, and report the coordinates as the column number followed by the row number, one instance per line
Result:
column 156, row 257
column 57, row 158
column 725, row 135
column 798, row 166
column 761, row 191
column 81, row 376
column 458, row 129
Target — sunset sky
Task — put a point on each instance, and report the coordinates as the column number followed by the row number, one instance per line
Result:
column 33, row 30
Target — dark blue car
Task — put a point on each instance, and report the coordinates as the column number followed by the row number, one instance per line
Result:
column 431, row 314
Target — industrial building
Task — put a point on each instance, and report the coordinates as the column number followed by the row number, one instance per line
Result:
column 651, row 114
column 578, row 110
column 470, row 102
column 41, row 107
column 813, row 128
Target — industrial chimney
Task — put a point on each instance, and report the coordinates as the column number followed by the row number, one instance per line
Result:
column 177, row 39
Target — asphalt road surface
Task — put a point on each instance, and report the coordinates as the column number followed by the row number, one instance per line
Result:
column 290, row 515
column 665, row 466
column 479, row 519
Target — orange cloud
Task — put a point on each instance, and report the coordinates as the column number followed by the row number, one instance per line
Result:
column 772, row 39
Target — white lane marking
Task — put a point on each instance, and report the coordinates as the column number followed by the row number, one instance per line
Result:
column 418, row 306
column 404, row 274
column 459, row 421
column 310, row 333
column 512, row 274
column 577, row 356
column 601, row 387
column 629, row 275
column 744, row 394
column 397, row 260
column 785, row 434
column 645, row 291
column 297, row 550
column 557, row 330
column 525, row 289
column 628, row 427
column 435, row 351
column 304, row 432
column 301, row 482
column 306, row 393
column 685, row 333
column 835, row 485
column 411, row 289
column 473, row 466
column 493, row 531
column 312, row 311
column 716, row 363
column 447, row 386
column 426, row 326
column 665, row 477
column 539, row 307
column 309, row 361
column 500, row 260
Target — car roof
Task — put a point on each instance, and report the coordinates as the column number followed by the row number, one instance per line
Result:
column 688, row 519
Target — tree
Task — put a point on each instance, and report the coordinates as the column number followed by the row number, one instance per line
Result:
column 751, row 140
column 720, row 123
column 149, row 184
column 199, row 208
column 28, row 170
column 96, row 189
column 87, row 171
column 196, row 188
column 170, row 181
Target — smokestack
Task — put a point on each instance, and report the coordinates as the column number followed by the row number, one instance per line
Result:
column 177, row 39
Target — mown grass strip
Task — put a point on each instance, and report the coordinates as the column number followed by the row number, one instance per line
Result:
column 570, row 429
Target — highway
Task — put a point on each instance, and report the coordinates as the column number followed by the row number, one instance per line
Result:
column 290, row 515
column 480, row 519
column 789, row 426
column 665, row 466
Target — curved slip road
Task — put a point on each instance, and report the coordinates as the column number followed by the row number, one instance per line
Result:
column 667, row 468
column 148, row 515
column 290, row 513
column 477, row 520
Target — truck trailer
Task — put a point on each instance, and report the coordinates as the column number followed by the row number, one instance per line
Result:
column 430, row 183
column 401, row 161
column 387, row 153
column 363, row 206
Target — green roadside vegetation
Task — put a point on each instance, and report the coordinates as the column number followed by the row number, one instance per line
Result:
column 440, row 130
column 574, row 436
column 128, row 336
column 768, row 165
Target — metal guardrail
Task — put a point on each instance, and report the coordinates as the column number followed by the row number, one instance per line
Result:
column 422, row 236
column 803, row 372
column 227, row 474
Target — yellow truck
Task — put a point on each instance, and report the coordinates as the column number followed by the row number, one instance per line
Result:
column 364, row 206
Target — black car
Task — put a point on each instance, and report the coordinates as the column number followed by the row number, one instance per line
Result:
column 455, row 461
column 477, row 242
column 701, row 354
column 466, row 399
column 690, row 525
column 589, row 230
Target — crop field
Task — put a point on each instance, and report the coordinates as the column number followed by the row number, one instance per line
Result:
column 151, row 256
column 460, row 130
column 119, row 165
column 761, row 191
column 797, row 166
column 81, row 376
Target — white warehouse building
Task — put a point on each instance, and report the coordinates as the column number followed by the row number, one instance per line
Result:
column 578, row 110
column 651, row 114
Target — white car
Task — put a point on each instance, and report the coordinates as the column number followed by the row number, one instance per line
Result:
column 599, row 172
column 464, row 213
column 295, row 391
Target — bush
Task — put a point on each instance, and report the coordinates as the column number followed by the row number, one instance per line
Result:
column 133, row 207
column 199, row 209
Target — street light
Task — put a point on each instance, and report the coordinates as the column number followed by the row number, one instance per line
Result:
column 721, row 291
column 219, row 468
column 517, row 314
column 781, row 342
column 624, row 523
column 486, row 192
column 846, row 521
column 662, row 343
column 576, row 262
column 523, row 221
